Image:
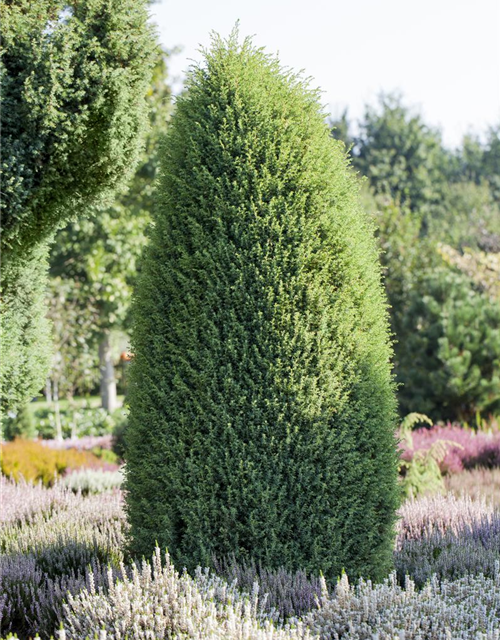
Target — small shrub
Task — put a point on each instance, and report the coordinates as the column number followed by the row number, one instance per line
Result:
column 118, row 442
column 81, row 422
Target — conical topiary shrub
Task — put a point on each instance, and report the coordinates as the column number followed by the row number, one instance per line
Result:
column 261, row 396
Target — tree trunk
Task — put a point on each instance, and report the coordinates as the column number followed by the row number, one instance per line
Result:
column 48, row 390
column 107, row 369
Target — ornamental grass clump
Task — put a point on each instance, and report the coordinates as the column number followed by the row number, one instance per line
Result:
column 262, row 406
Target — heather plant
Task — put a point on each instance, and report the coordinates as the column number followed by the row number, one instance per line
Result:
column 446, row 538
column 156, row 601
column 465, row 608
column 52, row 542
column 87, row 481
column 466, row 448
column 85, row 443
column 261, row 397
column 288, row 594
column 476, row 483
column 33, row 461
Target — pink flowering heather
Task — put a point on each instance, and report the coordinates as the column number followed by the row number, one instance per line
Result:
column 475, row 449
column 85, row 443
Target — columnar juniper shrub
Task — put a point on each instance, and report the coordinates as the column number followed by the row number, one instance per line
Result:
column 74, row 82
column 261, row 397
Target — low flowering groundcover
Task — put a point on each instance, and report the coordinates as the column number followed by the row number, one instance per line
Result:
column 63, row 573
column 466, row 448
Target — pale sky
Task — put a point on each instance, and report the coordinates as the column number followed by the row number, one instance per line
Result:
column 443, row 55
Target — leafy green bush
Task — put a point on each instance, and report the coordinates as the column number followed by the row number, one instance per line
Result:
column 261, row 397
column 74, row 82
column 18, row 425
column 78, row 422
column 450, row 363
column 118, row 443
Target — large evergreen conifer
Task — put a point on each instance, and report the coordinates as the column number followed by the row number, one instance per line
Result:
column 74, row 77
column 262, row 402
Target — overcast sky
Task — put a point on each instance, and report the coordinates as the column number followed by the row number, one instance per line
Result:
column 443, row 55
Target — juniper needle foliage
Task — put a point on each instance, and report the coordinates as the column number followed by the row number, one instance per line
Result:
column 74, row 80
column 74, row 83
column 262, row 401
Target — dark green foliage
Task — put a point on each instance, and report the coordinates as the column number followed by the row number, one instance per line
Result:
column 450, row 363
column 261, row 397
column 100, row 252
column 24, row 331
column 119, row 430
column 402, row 157
column 74, row 80
column 18, row 425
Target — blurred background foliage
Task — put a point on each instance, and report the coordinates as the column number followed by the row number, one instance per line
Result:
column 438, row 217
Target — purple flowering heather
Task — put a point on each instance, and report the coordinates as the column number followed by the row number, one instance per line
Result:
column 474, row 449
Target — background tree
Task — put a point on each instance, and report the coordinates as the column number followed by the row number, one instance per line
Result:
column 261, row 397
column 100, row 253
column 74, row 319
column 74, row 78
column 402, row 157
column 424, row 197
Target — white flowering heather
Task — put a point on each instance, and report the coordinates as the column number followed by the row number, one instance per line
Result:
column 465, row 609
column 476, row 483
column 54, row 542
column 95, row 521
column 92, row 480
column 20, row 500
column 430, row 514
column 85, row 443
column 158, row 602
column 447, row 537
column 48, row 547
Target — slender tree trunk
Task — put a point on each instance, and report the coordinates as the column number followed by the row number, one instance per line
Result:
column 48, row 390
column 108, row 380
column 59, row 436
